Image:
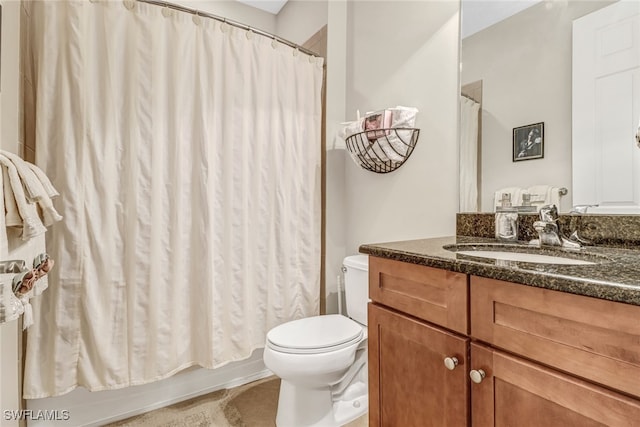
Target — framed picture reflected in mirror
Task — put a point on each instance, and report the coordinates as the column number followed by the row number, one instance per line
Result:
column 528, row 142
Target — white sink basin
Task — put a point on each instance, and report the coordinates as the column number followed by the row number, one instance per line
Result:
column 524, row 257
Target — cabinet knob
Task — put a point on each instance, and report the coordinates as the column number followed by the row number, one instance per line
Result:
column 451, row 363
column 477, row 375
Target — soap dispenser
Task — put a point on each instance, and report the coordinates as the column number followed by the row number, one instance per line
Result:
column 506, row 226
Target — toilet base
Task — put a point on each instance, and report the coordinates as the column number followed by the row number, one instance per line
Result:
column 304, row 407
column 355, row 403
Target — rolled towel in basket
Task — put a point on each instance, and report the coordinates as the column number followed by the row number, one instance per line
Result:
column 395, row 143
column 381, row 138
column 403, row 117
column 376, row 126
column 361, row 138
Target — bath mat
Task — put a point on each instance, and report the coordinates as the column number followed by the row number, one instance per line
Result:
column 251, row 405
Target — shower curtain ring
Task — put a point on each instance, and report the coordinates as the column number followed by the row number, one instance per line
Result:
column 129, row 4
column 196, row 18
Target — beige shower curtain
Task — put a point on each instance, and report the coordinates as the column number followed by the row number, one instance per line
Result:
column 468, row 163
column 187, row 155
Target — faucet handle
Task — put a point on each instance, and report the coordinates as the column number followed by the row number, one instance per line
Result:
column 549, row 213
column 581, row 209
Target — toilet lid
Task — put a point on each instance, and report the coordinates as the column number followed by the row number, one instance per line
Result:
column 316, row 334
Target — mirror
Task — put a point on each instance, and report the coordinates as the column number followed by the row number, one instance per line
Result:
column 520, row 71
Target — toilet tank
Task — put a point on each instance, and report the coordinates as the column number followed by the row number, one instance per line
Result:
column 356, row 286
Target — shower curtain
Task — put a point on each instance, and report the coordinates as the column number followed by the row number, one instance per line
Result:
column 469, row 110
column 187, row 153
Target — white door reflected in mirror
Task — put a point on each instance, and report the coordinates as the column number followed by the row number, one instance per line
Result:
column 606, row 165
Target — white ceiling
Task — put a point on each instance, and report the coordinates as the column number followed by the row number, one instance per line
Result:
column 476, row 14
column 271, row 6
column 480, row 14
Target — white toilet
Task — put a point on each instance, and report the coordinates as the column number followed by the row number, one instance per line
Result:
column 322, row 360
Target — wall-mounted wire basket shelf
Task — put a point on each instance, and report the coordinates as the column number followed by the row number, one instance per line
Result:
column 382, row 150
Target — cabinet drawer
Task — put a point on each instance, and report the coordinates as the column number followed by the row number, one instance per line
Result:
column 595, row 339
column 435, row 295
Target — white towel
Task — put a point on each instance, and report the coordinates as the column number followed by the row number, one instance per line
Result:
column 516, row 196
column 31, row 224
column 34, row 186
column 44, row 180
column 542, row 195
column 12, row 216
column 33, row 189
column 396, row 143
column 382, row 146
column 4, row 240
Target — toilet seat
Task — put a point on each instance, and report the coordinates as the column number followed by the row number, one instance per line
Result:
column 315, row 335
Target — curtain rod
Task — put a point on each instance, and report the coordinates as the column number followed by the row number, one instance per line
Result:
column 230, row 22
column 469, row 98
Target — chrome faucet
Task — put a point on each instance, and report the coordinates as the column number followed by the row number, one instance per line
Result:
column 576, row 217
column 549, row 231
column 581, row 209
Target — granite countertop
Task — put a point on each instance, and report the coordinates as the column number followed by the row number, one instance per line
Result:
column 614, row 276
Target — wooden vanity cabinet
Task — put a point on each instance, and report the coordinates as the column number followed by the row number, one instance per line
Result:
column 541, row 357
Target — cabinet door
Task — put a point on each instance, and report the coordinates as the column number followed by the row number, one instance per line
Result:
column 515, row 392
column 409, row 384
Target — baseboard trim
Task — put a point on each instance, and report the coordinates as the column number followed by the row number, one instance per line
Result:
column 95, row 409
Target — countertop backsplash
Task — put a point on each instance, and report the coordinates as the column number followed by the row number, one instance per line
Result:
column 621, row 231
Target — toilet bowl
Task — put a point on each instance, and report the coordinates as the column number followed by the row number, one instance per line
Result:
column 322, row 360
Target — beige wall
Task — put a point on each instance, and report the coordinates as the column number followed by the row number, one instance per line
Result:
column 413, row 62
column 10, row 76
column 9, row 85
column 235, row 11
column 369, row 69
column 336, row 213
column 524, row 63
column 299, row 20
